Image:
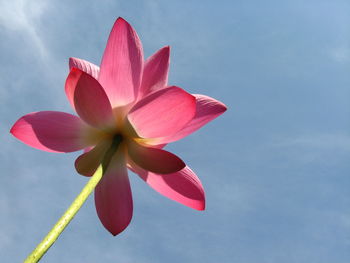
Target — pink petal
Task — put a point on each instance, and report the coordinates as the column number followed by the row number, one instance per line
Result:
column 90, row 100
column 121, row 66
column 183, row 186
column 87, row 163
column 51, row 131
column 162, row 113
column 155, row 72
column 85, row 66
column 113, row 197
column 207, row 109
column 73, row 77
column 71, row 83
column 155, row 160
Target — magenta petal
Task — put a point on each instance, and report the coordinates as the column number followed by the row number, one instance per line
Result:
column 155, row 72
column 85, row 66
column 90, row 100
column 77, row 66
column 207, row 109
column 121, row 66
column 71, row 83
column 162, row 113
column 183, row 186
column 51, row 131
column 113, row 197
column 155, row 160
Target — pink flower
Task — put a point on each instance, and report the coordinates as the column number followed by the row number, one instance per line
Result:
column 126, row 100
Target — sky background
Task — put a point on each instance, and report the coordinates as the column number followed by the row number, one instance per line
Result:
column 275, row 166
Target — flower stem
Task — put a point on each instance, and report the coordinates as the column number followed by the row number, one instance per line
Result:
column 61, row 224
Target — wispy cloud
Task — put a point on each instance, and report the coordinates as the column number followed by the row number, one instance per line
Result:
column 20, row 15
column 313, row 148
column 323, row 141
column 340, row 54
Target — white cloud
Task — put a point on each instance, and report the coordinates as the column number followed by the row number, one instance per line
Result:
column 20, row 15
column 340, row 54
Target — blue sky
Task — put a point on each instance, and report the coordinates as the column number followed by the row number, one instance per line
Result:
column 275, row 166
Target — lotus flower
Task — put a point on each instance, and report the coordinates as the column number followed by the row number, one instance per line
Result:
column 126, row 101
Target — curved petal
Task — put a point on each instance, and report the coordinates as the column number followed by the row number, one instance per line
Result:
column 154, row 159
column 113, row 197
column 51, row 131
column 162, row 113
column 85, row 66
column 155, row 72
column 121, row 66
column 207, row 109
column 183, row 186
column 71, row 83
column 90, row 100
column 87, row 163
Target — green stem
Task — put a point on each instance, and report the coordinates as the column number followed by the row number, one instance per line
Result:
column 61, row 224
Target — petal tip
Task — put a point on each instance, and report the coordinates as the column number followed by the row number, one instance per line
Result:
column 117, row 232
column 71, row 63
column 121, row 21
column 198, row 205
column 12, row 130
column 165, row 53
column 166, row 49
column 16, row 127
column 224, row 107
column 201, row 206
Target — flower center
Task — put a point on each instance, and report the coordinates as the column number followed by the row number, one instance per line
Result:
column 117, row 140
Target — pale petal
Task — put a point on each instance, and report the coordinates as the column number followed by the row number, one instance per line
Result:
column 122, row 63
column 183, row 186
column 162, row 113
column 113, row 197
column 154, row 159
column 155, row 72
column 51, row 131
column 90, row 100
column 85, row 66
